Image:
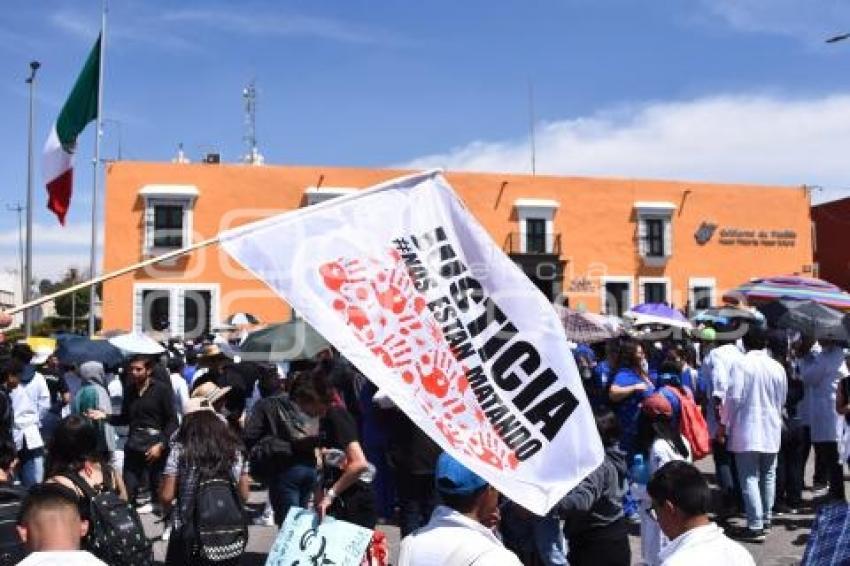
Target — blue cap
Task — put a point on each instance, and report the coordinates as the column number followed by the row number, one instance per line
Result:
column 453, row 478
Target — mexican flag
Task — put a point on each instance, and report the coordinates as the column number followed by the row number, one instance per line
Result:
column 76, row 113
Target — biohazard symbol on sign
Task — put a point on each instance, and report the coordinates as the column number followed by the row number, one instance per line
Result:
column 377, row 299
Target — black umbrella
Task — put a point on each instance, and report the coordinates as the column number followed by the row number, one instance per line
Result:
column 290, row 341
column 79, row 349
column 811, row 319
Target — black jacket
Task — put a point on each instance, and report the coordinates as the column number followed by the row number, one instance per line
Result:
column 266, row 420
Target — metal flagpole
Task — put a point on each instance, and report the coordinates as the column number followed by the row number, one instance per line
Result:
column 95, row 169
column 27, row 287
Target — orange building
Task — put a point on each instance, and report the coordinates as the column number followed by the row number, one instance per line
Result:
column 604, row 244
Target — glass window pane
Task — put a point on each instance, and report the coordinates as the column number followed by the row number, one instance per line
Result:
column 655, row 292
column 197, row 306
column 535, row 235
column 168, row 226
column 155, row 310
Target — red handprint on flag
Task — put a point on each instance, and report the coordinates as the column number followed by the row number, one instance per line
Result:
column 377, row 300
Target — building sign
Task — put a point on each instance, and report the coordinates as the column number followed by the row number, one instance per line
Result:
column 582, row 285
column 762, row 238
column 705, row 232
column 746, row 236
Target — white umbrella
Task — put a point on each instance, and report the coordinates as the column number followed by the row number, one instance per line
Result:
column 136, row 343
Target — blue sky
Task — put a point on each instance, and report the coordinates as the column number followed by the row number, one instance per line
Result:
column 722, row 90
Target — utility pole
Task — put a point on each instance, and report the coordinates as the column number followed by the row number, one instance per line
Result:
column 27, row 288
column 98, row 133
column 19, row 208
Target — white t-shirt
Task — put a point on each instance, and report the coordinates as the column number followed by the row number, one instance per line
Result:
column 453, row 539
column 705, row 546
column 63, row 557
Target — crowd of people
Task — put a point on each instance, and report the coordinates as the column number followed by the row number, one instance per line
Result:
column 86, row 449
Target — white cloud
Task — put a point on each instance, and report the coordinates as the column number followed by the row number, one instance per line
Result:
column 141, row 30
column 242, row 22
column 47, row 265
column 806, row 20
column 55, row 249
column 736, row 138
column 77, row 235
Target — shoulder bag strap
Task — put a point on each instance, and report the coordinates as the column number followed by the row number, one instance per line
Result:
column 81, row 484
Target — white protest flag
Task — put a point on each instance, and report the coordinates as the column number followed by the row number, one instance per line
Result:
column 404, row 281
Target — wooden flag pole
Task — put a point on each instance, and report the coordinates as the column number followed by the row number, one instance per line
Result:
column 112, row 275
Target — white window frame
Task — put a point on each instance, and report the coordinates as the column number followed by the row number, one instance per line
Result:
column 536, row 208
column 655, row 210
column 169, row 195
column 315, row 195
column 642, row 292
column 603, row 296
column 176, row 296
column 693, row 283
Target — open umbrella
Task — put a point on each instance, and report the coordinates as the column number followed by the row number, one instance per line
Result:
column 136, row 343
column 727, row 314
column 289, row 341
column 657, row 313
column 79, row 349
column 808, row 317
column 586, row 328
column 767, row 289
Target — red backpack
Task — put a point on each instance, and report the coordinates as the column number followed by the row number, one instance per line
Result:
column 693, row 426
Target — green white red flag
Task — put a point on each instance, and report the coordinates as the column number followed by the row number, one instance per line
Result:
column 79, row 109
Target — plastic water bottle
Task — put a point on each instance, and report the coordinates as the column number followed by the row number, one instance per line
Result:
column 639, row 472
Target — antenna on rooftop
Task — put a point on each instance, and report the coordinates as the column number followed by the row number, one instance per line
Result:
column 249, row 94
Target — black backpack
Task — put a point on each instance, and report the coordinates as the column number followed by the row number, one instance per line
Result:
column 12, row 549
column 116, row 534
column 288, row 423
column 215, row 525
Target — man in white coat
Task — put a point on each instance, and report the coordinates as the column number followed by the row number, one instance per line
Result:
column 752, row 421
column 820, row 375
column 680, row 501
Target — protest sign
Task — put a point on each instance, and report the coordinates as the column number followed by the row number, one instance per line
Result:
column 304, row 541
column 410, row 288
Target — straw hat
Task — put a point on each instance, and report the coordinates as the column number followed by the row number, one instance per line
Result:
column 210, row 391
column 197, row 404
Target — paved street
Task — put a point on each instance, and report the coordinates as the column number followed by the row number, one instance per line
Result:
column 785, row 543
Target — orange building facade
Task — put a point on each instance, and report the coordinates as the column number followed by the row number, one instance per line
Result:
column 600, row 244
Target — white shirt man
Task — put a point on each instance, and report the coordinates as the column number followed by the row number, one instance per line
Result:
column 752, row 417
column 752, row 411
column 717, row 366
column 704, row 546
column 820, row 375
column 680, row 500
column 456, row 534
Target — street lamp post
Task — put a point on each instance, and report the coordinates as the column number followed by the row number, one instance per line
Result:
column 27, row 290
